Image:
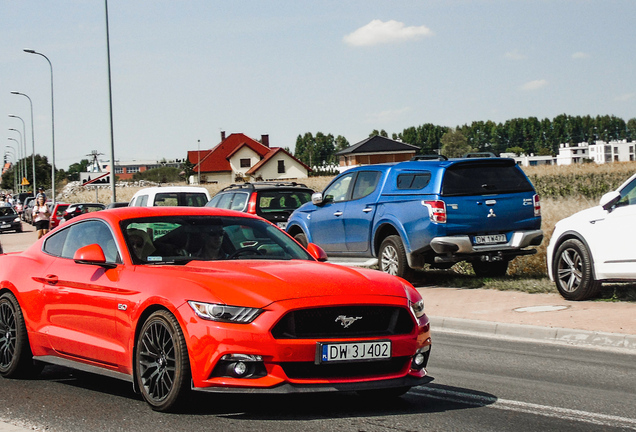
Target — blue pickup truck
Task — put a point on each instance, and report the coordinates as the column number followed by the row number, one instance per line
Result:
column 439, row 212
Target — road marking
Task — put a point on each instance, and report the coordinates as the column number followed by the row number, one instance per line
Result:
column 526, row 407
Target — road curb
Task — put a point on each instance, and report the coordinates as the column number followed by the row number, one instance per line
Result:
column 537, row 333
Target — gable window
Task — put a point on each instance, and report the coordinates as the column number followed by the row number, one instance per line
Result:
column 281, row 166
column 246, row 163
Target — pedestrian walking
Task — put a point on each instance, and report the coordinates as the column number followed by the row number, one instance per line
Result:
column 41, row 216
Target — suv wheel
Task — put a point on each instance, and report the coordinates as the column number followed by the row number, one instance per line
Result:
column 302, row 239
column 572, row 271
column 490, row 268
column 393, row 257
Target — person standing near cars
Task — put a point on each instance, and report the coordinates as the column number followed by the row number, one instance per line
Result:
column 41, row 216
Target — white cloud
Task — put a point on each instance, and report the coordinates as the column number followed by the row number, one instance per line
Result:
column 378, row 32
column 625, row 97
column 515, row 55
column 534, row 85
column 580, row 56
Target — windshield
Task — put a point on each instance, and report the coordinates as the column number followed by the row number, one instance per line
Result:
column 6, row 211
column 181, row 239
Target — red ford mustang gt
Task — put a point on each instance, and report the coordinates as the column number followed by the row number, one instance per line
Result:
column 179, row 299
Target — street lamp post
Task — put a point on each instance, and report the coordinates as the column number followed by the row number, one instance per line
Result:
column 30, row 51
column 32, row 139
column 23, row 150
column 26, row 170
column 19, row 156
column 15, row 174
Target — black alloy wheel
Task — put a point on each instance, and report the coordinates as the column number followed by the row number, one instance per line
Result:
column 16, row 359
column 161, row 362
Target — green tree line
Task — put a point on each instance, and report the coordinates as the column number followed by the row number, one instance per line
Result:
column 522, row 135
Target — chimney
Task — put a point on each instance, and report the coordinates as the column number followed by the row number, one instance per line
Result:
column 265, row 140
column 222, row 135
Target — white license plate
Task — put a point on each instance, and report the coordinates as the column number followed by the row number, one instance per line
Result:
column 353, row 351
column 5, row 226
column 490, row 239
column 281, row 225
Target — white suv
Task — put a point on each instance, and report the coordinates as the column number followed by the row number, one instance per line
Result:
column 170, row 196
column 595, row 245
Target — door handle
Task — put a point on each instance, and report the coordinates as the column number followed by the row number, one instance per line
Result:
column 51, row 279
column 367, row 209
column 338, row 213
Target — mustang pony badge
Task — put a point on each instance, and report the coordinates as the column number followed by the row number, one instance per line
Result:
column 347, row 321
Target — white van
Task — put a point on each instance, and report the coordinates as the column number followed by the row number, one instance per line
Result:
column 170, row 196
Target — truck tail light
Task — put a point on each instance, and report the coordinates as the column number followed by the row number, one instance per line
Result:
column 537, row 205
column 436, row 210
column 251, row 205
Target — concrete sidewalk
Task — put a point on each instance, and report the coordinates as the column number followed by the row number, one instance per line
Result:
column 542, row 317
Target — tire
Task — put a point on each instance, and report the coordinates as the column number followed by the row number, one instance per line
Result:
column 16, row 359
column 387, row 393
column 572, row 271
column 302, row 239
column 392, row 258
column 490, row 268
column 162, row 367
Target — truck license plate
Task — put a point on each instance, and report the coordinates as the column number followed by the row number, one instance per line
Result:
column 353, row 351
column 490, row 239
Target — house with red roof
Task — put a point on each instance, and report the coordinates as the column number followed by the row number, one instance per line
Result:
column 239, row 157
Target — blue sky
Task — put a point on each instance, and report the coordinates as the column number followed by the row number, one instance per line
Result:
column 182, row 71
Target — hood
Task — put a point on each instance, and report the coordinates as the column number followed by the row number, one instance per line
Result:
column 257, row 283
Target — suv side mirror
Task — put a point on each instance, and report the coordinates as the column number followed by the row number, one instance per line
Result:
column 316, row 198
column 609, row 200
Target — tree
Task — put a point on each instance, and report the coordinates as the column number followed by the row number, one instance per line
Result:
column 73, row 173
column 455, row 144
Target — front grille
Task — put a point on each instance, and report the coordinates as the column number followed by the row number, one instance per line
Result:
column 331, row 322
column 309, row 370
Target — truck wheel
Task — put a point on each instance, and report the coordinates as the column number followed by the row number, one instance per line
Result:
column 490, row 268
column 302, row 239
column 572, row 271
column 393, row 258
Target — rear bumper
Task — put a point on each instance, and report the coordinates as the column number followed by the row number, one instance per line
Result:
column 462, row 245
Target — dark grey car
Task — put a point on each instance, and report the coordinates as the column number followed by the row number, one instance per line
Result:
column 10, row 220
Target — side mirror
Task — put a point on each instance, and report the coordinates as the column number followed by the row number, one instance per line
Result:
column 91, row 254
column 609, row 200
column 317, row 252
column 316, row 198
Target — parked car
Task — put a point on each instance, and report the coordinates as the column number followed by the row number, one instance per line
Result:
column 116, row 205
column 74, row 210
column 57, row 214
column 10, row 220
column 274, row 201
column 188, row 196
column 430, row 211
column 595, row 245
column 27, row 209
column 134, row 299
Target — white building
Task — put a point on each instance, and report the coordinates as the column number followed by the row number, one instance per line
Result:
column 599, row 152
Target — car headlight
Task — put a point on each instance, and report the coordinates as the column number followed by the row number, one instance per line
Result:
column 225, row 313
column 418, row 308
column 17, row 219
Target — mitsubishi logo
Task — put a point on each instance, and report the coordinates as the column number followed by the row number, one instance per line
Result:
column 347, row 321
column 491, row 213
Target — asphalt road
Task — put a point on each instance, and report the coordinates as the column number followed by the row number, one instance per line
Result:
column 480, row 385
